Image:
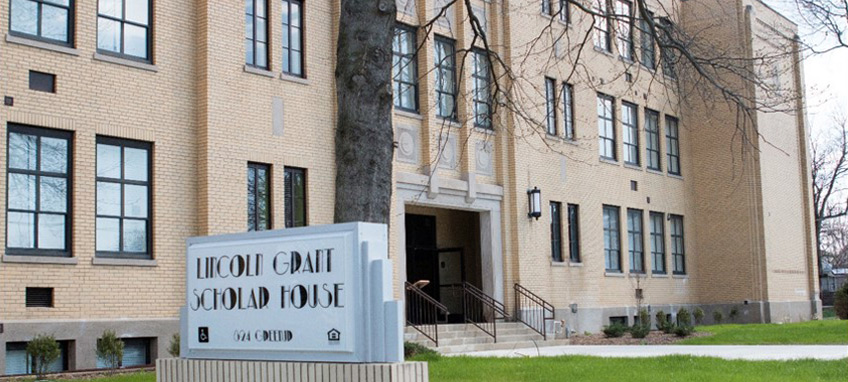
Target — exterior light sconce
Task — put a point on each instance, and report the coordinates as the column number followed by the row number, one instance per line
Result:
column 535, row 199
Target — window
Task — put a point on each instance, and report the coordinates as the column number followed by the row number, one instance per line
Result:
column 17, row 361
column 652, row 146
column 606, row 126
column 482, row 90
column 669, row 56
column 258, row 197
column 38, row 197
column 123, row 28
column 672, row 143
column 550, row 106
column 574, row 233
column 624, row 11
column 405, row 68
column 658, row 242
column 630, row 124
column 256, row 34
column 649, row 55
column 612, row 239
column 635, row 241
column 48, row 20
column 295, row 197
column 601, row 25
column 564, row 11
column 445, row 78
column 39, row 297
column 42, row 82
column 546, row 7
column 556, row 231
column 293, row 37
column 136, row 353
column 678, row 251
column 123, row 198
column 568, row 110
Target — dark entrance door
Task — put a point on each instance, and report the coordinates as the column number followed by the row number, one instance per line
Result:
column 422, row 252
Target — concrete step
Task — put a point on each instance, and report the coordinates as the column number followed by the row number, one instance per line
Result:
column 412, row 335
column 460, row 349
column 463, row 338
column 481, row 340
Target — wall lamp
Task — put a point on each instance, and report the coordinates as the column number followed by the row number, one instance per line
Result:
column 535, row 200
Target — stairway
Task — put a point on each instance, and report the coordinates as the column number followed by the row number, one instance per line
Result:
column 466, row 338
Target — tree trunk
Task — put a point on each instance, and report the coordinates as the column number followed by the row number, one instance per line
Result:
column 364, row 135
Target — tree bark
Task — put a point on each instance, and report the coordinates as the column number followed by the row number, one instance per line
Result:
column 364, row 135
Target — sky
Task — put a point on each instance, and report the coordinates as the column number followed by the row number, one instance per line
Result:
column 826, row 75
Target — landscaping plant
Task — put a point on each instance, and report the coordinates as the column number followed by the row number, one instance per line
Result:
column 718, row 317
column 174, row 345
column 615, row 330
column 734, row 313
column 684, row 323
column 664, row 324
column 699, row 315
column 43, row 349
column 110, row 349
column 840, row 302
column 643, row 327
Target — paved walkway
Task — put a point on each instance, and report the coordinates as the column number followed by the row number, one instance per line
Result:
column 752, row 353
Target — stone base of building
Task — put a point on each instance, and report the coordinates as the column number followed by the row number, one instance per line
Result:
column 195, row 370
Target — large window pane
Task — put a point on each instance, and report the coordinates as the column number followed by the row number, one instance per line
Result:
column 51, row 231
column 108, row 161
column 54, row 22
column 54, row 155
column 124, row 27
column 135, row 235
column 108, row 234
column 258, row 197
column 22, row 191
column 54, row 194
column 135, row 201
column 21, row 230
column 138, row 11
column 114, row 8
column 24, row 17
column 22, row 151
column 108, row 35
column 135, row 41
column 135, row 164
column 109, row 199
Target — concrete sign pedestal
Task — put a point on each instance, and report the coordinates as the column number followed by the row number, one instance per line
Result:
column 195, row 370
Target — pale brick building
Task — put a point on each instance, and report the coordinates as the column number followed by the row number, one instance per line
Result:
column 131, row 125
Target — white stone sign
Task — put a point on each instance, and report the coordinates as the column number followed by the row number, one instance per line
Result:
column 306, row 294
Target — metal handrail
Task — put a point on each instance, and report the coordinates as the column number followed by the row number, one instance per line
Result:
column 423, row 312
column 481, row 310
column 532, row 310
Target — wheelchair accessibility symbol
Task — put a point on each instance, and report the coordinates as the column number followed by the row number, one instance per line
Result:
column 203, row 334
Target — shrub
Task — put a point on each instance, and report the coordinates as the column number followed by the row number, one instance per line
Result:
column 110, row 349
column 734, row 313
column 663, row 323
column 684, row 318
column 174, row 345
column 645, row 318
column 683, row 331
column 43, row 349
column 412, row 349
column 640, row 330
column 615, row 330
column 840, row 302
column 699, row 315
column 718, row 316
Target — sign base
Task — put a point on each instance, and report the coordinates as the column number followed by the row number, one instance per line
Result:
column 191, row 370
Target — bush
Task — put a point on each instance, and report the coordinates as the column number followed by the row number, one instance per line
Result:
column 684, row 318
column 615, row 330
column 640, row 331
column 734, row 313
column 840, row 302
column 645, row 318
column 683, row 331
column 174, row 345
column 43, row 349
column 664, row 324
column 718, row 317
column 699, row 315
column 412, row 349
column 110, row 349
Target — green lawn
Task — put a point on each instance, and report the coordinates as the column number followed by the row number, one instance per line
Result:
column 803, row 333
column 828, row 313
column 588, row 369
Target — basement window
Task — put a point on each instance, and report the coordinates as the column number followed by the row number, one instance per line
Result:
column 39, row 297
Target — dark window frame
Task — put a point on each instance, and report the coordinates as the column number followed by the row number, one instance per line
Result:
column 547, row 7
column 447, row 64
column 565, row 11
column 123, row 21
column 610, row 119
column 289, row 203
column 253, row 39
column 630, row 53
column 648, row 45
column 605, row 38
column 568, row 110
column 609, row 252
column 413, row 62
column 255, row 167
column 287, row 4
column 657, row 234
column 556, row 232
column 668, row 56
column 480, row 81
column 630, row 148
column 135, row 144
column 550, row 106
column 634, row 236
column 574, row 233
column 672, row 143
column 653, row 143
column 678, row 244
column 37, row 37
column 68, row 176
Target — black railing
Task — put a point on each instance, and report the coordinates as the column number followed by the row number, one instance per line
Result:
column 481, row 310
column 424, row 312
column 532, row 310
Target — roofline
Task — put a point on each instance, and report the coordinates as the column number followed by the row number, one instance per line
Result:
column 779, row 14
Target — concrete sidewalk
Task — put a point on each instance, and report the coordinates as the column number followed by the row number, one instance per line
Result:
column 752, row 353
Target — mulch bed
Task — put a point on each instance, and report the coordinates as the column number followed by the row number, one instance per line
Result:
column 82, row 375
column 653, row 338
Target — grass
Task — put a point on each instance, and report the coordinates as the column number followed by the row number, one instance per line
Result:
column 828, row 313
column 588, row 369
column 827, row 332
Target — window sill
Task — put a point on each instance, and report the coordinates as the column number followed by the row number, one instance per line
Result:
column 258, row 71
column 125, row 62
column 614, row 274
column 123, row 262
column 558, row 264
column 680, row 277
column 604, row 52
column 658, row 172
column 408, row 114
column 41, row 45
column 571, row 141
column 483, row 130
column 294, row 79
column 448, row 122
column 633, row 166
column 659, row 276
column 675, row 176
column 636, row 274
column 575, row 265
column 609, row 162
column 40, row 260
